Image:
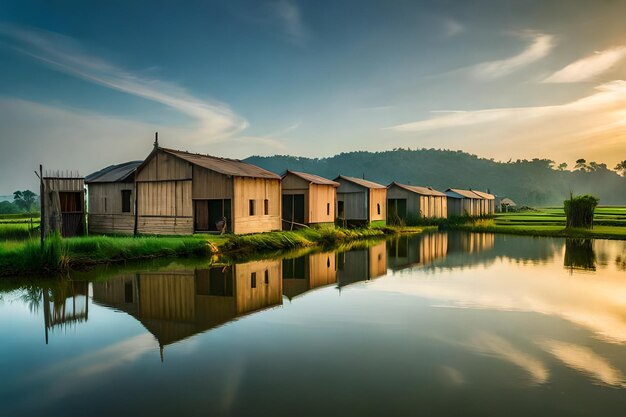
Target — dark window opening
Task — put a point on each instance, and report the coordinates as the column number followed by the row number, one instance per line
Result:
column 378, row 207
column 328, row 209
column 253, row 280
column 267, row 276
column 105, row 204
column 71, row 202
column 294, row 268
column 126, row 201
column 251, row 208
column 266, row 204
column 128, row 292
column 340, row 210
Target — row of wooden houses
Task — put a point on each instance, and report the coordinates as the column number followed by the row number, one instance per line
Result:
column 177, row 192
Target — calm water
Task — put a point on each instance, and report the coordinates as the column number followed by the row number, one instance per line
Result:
column 443, row 324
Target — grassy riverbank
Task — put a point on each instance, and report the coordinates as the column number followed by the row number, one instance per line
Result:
column 609, row 223
column 26, row 257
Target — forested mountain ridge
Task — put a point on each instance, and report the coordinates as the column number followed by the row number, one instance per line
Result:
column 535, row 182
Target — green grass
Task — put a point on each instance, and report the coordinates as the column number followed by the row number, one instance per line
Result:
column 34, row 215
column 61, row 254
column 26, row 257
column 18, row 231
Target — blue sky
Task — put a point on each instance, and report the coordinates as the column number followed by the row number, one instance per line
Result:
column 86, row 84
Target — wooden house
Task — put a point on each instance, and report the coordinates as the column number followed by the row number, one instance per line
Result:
column 307, row 199
column 63, row 204
column 463, row 203
column 305, row 273
column 361, row 202
column 174, row 305
column 111, row 199
column 409, row 201
column 488, row 203
column 361, row 264
column 182, row 193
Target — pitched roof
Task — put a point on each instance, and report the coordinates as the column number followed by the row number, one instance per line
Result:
column 486, row 196
column 361, row 182
column 224, row 166
column 113, row 173
column 464, row 193
column 315, row 179
column 418, row 190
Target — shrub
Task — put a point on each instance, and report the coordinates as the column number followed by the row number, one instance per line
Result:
column 579, row 211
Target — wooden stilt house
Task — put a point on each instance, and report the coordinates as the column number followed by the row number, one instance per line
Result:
column 360, row 202
column 488, row 203
column 181, row 193
column 463, row 203
column 307, row 199
column 409, row 201
column 111, row 199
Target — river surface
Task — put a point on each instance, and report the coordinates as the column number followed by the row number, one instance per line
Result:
column 435, row 325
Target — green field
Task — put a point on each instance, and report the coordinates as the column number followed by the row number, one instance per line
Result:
column 609, row 223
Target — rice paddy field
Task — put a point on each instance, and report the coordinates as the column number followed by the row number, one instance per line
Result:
column 609, row 222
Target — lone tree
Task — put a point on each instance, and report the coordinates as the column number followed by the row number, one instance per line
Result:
column 579, row 211
column 621, row 168
column 581, row 165
column 25, row 200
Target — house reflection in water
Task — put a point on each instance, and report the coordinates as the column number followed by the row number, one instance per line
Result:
column 308, row 272
column 407, row 251
column 174, row 305
column 361, row 264
column 65, row 304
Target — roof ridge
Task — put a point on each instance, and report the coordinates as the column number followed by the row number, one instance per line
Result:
column 202, row 154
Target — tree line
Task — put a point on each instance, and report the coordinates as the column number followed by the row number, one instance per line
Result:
column 23, row 202
column 535, row 182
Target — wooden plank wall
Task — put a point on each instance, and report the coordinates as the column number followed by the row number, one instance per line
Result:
column 164, row 207
column 322, row 198
column 258, row 189
column 211, row 185
column 263, row 295
column 355, row 204
column 378, row 196
column 167, row 296
column 162, row 166
column 377, row 260
column 323, row 269
column 113, row 194
column 123, row 224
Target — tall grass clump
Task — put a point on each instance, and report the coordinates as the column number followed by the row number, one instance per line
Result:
column 579, row 211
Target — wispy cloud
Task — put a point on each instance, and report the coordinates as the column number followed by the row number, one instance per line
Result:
column 589, row 67
column 540, row 46
column 585, row 360
column 489, row 343
column 288, row 13
column 452, row 27
column 594, row 124
column 214, row 119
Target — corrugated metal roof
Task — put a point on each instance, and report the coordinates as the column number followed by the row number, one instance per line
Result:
column 114, row 173
column 361, row 182
column 419, row 190
column 486, row 196
column 225, row 166
column 315, row 179
column 464, row 193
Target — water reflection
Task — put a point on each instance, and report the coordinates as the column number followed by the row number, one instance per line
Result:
column 432, row 321
column 176, row 304
column 305, row 273
column 361, row 264
column 579, row 254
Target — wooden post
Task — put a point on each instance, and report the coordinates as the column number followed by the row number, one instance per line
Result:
column 42, row 210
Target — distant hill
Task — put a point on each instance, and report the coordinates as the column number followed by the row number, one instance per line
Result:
column 532, row 183
column 6, row 198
